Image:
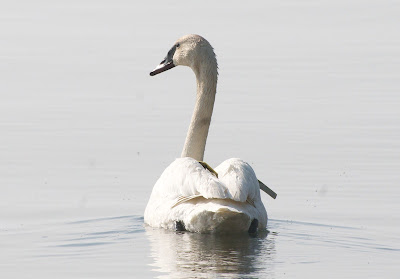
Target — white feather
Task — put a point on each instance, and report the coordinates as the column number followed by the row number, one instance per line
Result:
column 187, row 192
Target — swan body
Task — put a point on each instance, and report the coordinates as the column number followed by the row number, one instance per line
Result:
column 188, row 194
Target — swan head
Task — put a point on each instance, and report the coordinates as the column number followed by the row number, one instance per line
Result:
column 191, row 50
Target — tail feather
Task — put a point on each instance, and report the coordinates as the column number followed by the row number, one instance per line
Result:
column 223, row 220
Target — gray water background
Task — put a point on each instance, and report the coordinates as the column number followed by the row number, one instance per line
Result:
column 308, row 94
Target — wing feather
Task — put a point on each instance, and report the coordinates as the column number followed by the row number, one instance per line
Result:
column 186, row 177
column 240, row 179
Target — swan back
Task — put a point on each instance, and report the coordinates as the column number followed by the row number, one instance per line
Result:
column 188, row 192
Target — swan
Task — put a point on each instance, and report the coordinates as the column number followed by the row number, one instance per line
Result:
column 190, row 195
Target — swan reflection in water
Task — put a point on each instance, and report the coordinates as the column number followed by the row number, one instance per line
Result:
column 193, row 255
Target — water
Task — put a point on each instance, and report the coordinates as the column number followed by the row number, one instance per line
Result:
column 122, row 247
column 307, row 94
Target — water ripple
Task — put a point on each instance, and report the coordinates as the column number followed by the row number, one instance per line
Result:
column 316, row 234
column 89, row 234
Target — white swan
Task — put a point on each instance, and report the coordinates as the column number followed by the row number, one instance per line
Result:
column 188, row 196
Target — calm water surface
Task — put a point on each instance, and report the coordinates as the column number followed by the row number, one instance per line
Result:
column 308, row 94
column 122, row 247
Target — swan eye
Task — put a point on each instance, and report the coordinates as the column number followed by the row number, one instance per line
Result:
column 177, row 45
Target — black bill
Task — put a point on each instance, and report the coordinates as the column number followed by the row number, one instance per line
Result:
column 166, row 64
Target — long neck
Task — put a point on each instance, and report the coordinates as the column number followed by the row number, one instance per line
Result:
column 196, row 138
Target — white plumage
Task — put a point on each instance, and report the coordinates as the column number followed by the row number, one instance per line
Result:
column 227, row 203
column 188, row 193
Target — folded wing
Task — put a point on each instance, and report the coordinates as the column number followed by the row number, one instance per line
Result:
column 240, row 179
